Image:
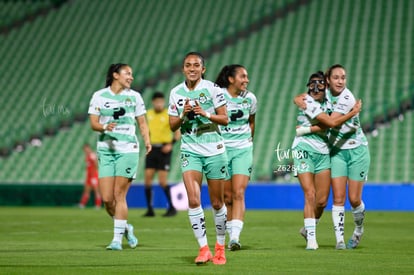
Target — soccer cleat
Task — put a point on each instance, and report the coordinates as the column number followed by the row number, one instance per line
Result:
column 204, row 255
column 354, row 241
column 312, row 245
column 149, row 213
column 340, row 246
column 219, row 255
column 170, row 212
column 114, row 246
column 234, row 245
column 304, row 233
column 129, row 235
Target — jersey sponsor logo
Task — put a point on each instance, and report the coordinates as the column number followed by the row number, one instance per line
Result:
column 121, row 128
column 235, row 114
column 234, row 130
column 173, row 107
column 118, row 112
column 226, row 129
column 180, row 102
column 220, row 98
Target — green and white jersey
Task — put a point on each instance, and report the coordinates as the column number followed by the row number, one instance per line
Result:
column 199, row 135
column 122, row 108
column 237, row 134
column 348, row 135
column 316, row 142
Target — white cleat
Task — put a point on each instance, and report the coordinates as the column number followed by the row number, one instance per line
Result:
column 340, row 245
column 312, row 245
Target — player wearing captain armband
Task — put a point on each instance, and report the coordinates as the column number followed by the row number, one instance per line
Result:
column 311, row 151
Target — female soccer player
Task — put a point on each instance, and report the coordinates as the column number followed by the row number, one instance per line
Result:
column 114, row 112
column 196, row 107
column 238, row 138
column 311, row 154
column 349, row 157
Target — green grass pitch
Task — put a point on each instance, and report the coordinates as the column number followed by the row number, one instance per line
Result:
column 72, row 241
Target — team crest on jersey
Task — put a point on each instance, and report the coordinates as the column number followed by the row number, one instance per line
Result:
column 202, row 98
column 245, row 104
column 128, row 102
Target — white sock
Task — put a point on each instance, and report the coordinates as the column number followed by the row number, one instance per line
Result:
column 310, row 226
column 198, row 224
column 338, row 218
column 359, row 214
column 228, row 228
column 119, row 230
column 220, row 217
column 236, row 228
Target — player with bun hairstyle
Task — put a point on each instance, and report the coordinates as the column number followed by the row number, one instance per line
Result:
column 197, row 107
column 311, row 154
column 238, row 138
column 114, row 113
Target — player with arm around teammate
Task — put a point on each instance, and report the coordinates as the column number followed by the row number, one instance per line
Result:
column 238, row 138
column 114, row 112
column 350, row 159
column 311, row 154
column 197, row 107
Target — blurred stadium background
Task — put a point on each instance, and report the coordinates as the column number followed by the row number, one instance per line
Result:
column 55, row 55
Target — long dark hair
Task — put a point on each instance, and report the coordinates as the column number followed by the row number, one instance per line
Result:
column 227, row 71
column 114, row 68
